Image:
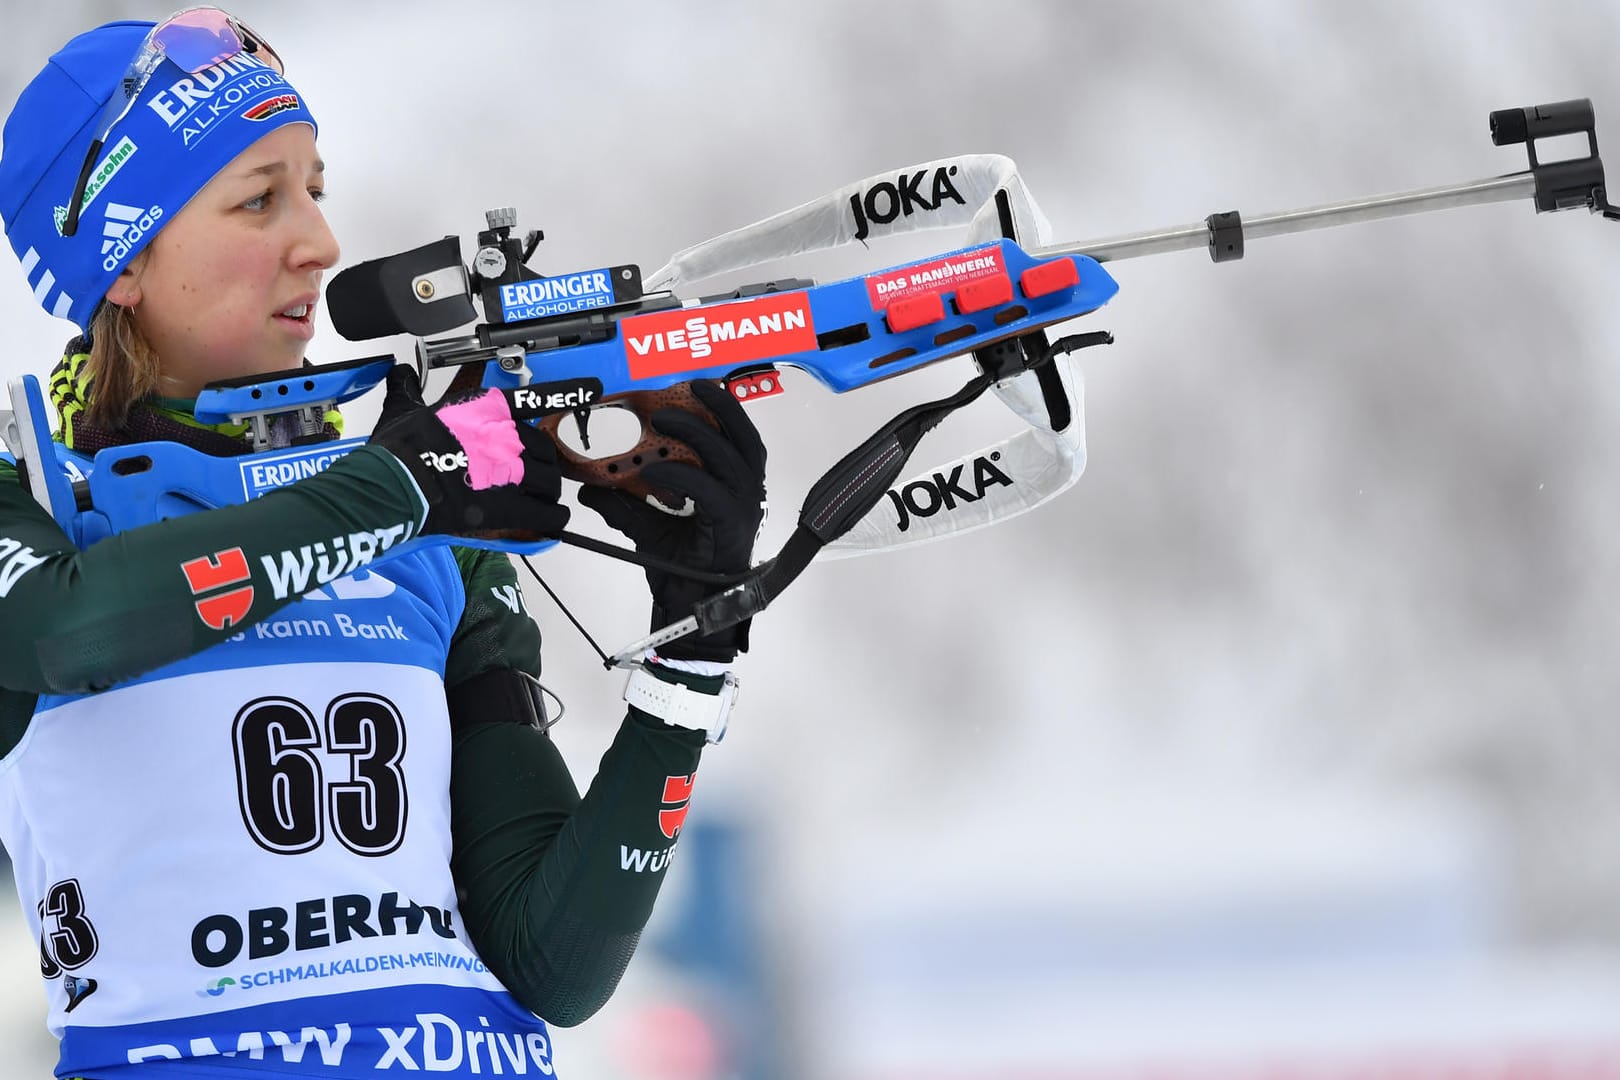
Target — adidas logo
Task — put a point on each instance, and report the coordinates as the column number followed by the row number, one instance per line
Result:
column 123, row 229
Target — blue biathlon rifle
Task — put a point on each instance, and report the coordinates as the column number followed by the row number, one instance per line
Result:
column 562, row 346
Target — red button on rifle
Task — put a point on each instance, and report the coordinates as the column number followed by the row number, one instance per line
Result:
column 1049, row 277
column 915, row 311
column 986, row 293
column 756, row 384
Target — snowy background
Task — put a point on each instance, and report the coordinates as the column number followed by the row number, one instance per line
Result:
column 1286, row 739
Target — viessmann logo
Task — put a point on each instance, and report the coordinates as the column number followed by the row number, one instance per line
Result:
column 667, row 342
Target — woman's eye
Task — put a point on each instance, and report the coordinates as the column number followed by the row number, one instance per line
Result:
column 262, row 200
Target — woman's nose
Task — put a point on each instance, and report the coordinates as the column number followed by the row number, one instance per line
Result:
column 315, row 247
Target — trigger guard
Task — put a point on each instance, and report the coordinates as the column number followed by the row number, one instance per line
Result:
column 622, row 470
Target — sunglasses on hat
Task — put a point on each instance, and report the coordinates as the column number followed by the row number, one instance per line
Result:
column 194, row 39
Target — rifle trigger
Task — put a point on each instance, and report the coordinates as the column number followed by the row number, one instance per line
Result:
column 582, row 417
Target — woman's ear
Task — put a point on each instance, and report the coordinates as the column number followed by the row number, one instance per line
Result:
column 126, row 287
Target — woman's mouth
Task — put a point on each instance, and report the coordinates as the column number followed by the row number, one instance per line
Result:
column 298, row 318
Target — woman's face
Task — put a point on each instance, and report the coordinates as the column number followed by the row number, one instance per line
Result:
column 228, row 287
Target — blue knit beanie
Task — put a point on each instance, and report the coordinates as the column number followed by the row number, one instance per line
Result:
column 182, row 129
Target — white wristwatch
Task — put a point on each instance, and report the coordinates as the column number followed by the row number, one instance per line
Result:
column 678, row 705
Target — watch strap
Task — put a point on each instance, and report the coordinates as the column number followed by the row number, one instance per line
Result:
column 679, row 704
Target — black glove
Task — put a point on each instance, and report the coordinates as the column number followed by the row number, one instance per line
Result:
column 728, row 494
column 525, row 506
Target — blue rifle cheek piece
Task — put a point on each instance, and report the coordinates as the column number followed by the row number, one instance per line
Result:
column 221, row 404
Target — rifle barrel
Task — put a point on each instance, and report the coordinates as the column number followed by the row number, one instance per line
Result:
column 1373, row 208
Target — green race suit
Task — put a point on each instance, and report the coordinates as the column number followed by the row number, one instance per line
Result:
column 309, row 801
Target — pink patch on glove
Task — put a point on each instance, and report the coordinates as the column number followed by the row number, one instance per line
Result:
column 486, row 431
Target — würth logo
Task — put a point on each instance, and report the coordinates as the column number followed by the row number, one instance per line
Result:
column 217, row 571
column 672, row 815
